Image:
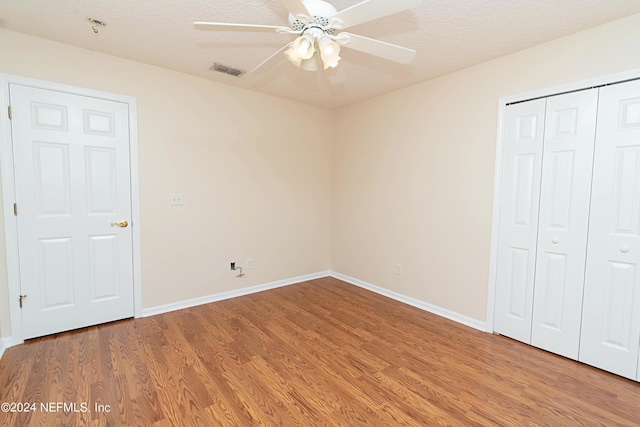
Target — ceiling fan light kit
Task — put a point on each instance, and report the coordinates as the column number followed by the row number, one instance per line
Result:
column 315, row 22
column 308, row 44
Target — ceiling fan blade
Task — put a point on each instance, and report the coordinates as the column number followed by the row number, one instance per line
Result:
column 271, row 61
column 296, row 7
column 368, row 10
column 222, row 26
column 379, row 48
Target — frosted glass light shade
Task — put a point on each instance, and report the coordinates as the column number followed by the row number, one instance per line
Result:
column 329, row 51
column 304, row 46
column 292, row 56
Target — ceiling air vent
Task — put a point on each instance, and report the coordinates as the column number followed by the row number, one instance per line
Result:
column 227, row 70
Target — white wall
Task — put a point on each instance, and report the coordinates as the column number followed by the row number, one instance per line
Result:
column 413, row 170
column 253, row 187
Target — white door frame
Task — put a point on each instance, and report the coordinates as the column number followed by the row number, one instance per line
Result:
column 8, row 191
column 497, row 181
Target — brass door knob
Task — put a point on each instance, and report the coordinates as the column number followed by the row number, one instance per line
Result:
column 122, row 224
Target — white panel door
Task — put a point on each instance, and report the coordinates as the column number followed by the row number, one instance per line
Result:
column 567, row 163
column 72, row 175
column 611, row 310
column 522, row 161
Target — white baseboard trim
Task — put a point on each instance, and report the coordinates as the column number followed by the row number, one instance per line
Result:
column 152, row 311
column 442, row 312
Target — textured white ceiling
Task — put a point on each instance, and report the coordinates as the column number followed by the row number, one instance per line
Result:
column 447, row 34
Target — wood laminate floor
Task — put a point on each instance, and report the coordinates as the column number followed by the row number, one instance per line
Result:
column 319, row 353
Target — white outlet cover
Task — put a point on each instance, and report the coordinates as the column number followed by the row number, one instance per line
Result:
column 176, row 199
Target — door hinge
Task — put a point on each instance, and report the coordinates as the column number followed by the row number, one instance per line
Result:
column 15, row 209
column 9, row 112
column 21, row 298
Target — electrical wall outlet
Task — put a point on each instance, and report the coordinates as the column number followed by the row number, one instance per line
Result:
column 249, row 263
column 399, row 269
column 233, row 266
column 176, row 199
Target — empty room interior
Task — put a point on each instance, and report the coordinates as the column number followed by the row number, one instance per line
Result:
column 299, row 212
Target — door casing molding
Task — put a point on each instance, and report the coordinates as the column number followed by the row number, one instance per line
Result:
column 8, row 190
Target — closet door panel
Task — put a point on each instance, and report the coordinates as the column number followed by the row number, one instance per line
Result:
column 523, row 134
column 611, row 311
column 567, row 162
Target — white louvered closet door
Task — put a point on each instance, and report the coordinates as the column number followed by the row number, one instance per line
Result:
column 611, row 311
column 567, row 161
column 522, row 162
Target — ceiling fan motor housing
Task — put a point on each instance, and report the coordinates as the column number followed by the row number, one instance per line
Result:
column 320, row 10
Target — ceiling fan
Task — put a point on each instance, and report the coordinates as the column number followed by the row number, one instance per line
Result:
column 319, row 26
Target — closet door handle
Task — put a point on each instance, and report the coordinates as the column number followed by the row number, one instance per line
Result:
column 555, row 240
column 624, row 249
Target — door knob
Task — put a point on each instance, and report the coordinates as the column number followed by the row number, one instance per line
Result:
column 122, row 224
column 554, row 240
column 624, row 249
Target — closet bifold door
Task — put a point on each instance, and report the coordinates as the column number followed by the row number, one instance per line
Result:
column 567, row 162
column 611, row 310
column 522, row 140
